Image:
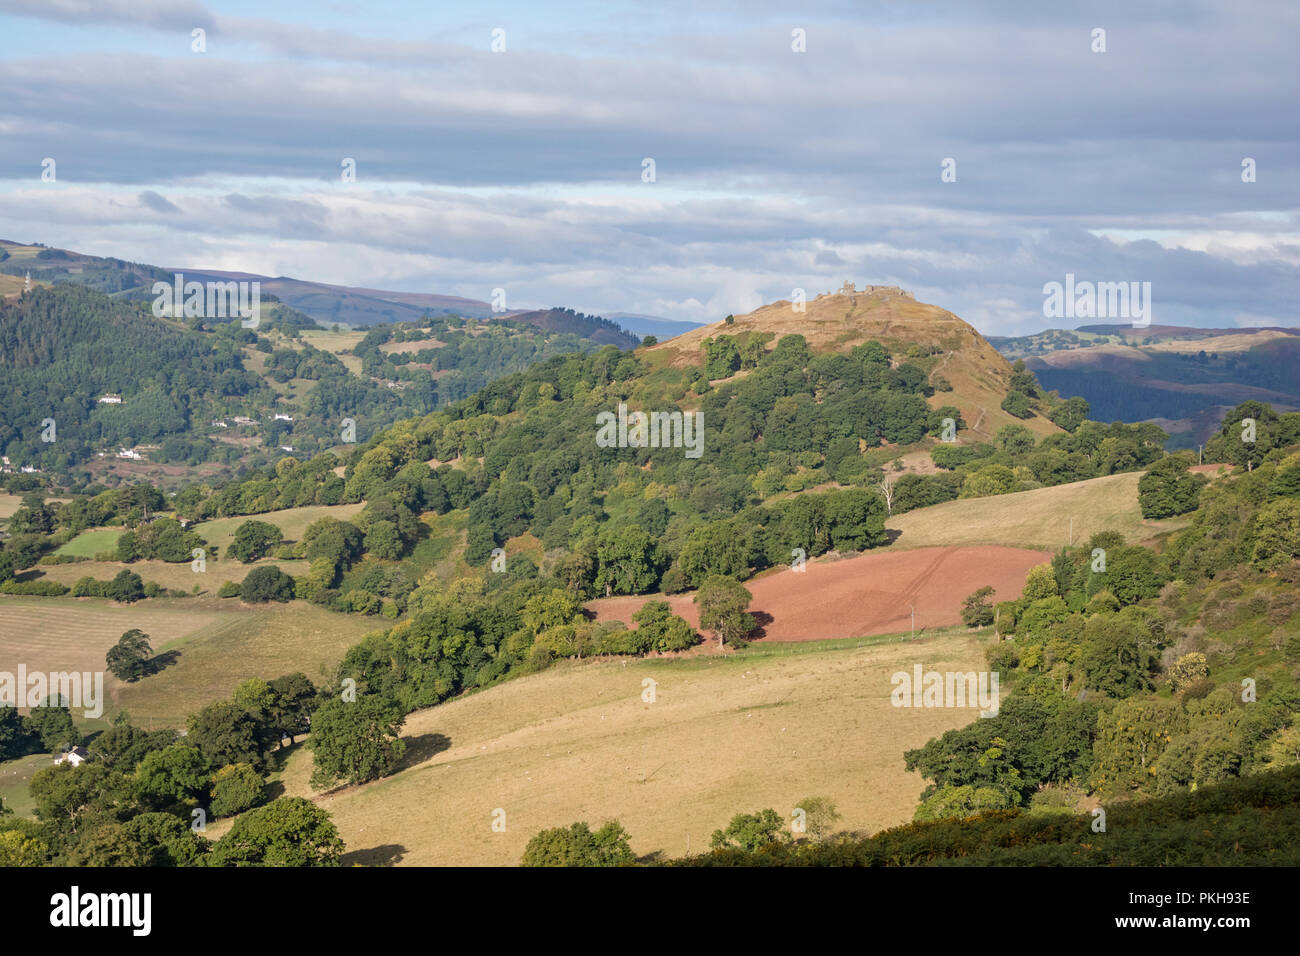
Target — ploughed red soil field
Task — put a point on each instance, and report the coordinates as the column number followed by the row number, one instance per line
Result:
column 868, row 594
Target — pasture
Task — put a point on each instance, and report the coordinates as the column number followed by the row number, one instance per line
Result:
column 1040, row 518
column 211, row 645
column 292, row 521
column 725, row 734
column 91, row 542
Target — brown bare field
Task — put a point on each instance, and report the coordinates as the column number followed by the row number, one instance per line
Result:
column 18, row 250
column 1231, row 342
column 11, row 503
column 869, row 594
column 725, row 734
column 915, row 463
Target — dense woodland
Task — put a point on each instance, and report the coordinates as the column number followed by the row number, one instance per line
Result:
column 68, row 346
column 464, row 354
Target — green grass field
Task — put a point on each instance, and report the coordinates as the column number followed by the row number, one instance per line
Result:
column 14, row 775
column 725, row 734
column 439, row 552
column 91, row 542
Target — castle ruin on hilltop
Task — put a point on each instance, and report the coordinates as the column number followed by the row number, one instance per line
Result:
column 850, row 289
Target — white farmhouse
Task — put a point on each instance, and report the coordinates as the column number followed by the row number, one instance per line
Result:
column 76, row 756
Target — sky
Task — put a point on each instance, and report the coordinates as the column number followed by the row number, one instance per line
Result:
column 524, row 167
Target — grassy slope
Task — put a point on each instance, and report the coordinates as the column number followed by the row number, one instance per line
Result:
column 91, row 542
column 181, row 577
column 765, row 727
column 14, row 776
column 242, row 642
column 1034, row 519
column 220, row 643
column 11, row 503
column 75, row 633
column 292, row 521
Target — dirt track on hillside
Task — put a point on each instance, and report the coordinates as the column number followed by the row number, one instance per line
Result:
column 872, row 593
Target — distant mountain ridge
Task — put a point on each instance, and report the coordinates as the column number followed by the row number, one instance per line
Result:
column 1182, row 379
column 655, row 325
column 351, row 306
column 354, row 306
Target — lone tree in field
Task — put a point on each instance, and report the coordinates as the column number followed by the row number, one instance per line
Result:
column 266, row 583
column 356, row 741
column 127, row 587
column 819, row 815
column 722, row 604
column 255, row 539
column 976, row 611
column 886, row 488
column 128, row 659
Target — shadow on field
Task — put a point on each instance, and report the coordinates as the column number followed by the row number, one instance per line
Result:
column 421, row 748
column 761, row 620
column 388, row 854
column 160, row 662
